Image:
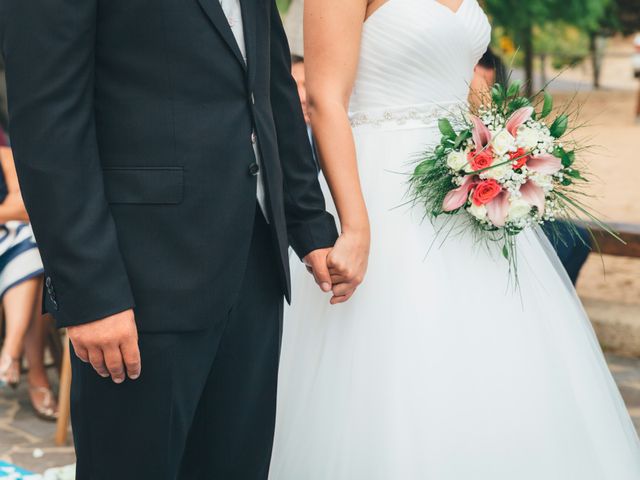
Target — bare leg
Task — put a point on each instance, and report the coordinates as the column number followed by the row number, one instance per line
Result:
column 18, row 310
column 42, row 397
column 638, row 106
column 34, row 346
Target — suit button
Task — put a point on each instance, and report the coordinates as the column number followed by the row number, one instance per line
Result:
column 254, row 168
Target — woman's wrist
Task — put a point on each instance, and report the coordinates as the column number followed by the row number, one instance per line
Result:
column 360, row 228
column 357, row 222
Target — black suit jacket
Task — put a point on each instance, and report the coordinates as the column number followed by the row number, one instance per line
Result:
column 131, row 122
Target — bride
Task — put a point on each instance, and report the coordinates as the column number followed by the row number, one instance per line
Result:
column 435, row 369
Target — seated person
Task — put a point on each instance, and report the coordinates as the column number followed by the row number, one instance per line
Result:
column 21, row 292
column 572, row 244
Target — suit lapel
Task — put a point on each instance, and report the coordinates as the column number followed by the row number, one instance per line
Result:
column 249, row 21
column 213, row 10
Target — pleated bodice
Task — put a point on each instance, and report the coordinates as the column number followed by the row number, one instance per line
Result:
column 416, row 52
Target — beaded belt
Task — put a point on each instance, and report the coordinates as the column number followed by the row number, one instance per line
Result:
column 414, row 116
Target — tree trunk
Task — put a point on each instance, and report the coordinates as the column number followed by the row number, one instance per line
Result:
column 527, row 45
column 595, row 59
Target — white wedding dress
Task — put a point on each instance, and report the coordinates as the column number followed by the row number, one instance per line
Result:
column 437, row 369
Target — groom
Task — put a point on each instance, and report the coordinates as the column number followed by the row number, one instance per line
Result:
column 165, row 164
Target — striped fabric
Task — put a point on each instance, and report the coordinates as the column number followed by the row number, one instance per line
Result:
column 19, row 256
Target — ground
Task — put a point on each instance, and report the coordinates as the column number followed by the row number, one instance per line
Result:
column 22, row 434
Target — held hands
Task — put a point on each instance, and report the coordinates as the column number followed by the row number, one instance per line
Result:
column 110, row 345
column 341, row 269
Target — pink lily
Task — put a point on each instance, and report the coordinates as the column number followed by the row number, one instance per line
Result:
column 458, row 197
column 498, row 209
column 480, row 132
column 533, row 194
column 518, row 118
column 546, row 164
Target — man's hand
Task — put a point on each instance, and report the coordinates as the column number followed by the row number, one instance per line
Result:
column 110, row 345
column 316, row 263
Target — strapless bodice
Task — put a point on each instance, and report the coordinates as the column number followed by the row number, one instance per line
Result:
column 417, row 52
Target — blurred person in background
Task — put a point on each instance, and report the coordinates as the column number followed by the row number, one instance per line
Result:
column 3, row 99
column 636, row 71
column 295, row 33
column 297, row 70
column 298, row 73
column 20, row 293
column 293, row 26
column 491, row 69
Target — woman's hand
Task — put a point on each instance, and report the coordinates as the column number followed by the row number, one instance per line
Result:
column 348, row 263
column 333, row 30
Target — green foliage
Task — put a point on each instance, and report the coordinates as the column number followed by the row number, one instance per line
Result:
column 446, row 129
column 565, row 43
column 462, row 138
column 514, row 88
column 621, row 16
column 283, row 5
column 559, row 126
column 547, row 106
column 518, row 16
column 568, row 158
column 430, row 184
column 521, row 19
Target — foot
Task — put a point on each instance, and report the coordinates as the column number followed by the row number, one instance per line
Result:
column 44, row 403
column 9, row 371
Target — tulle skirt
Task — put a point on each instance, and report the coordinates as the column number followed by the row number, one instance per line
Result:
column 439, row 368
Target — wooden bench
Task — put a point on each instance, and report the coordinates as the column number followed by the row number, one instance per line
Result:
column 608, row 245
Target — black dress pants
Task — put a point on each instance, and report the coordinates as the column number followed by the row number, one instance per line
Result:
column 204, row 406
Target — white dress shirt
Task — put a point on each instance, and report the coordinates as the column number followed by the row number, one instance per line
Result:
column 233, row 13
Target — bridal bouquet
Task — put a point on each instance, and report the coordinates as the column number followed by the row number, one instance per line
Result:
column 506, row 168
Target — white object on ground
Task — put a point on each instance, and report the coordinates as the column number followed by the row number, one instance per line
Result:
column 61, row 473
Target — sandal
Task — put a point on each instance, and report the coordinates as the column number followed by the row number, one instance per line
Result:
column 44, row 403
column 9, row 371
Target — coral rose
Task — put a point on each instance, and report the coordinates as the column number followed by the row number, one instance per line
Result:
column 485, row 192
column 520, row 158
column 482, row 159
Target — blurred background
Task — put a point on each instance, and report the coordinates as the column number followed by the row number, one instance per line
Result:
column 587, row 54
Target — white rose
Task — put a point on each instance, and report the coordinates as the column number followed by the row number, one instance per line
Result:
column 499, row 172
column 457, row 160
column 503, row 142
column 480, row 212
column 518, row 209
column 528, row 138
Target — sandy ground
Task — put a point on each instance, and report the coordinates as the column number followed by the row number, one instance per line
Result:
column 615, row 136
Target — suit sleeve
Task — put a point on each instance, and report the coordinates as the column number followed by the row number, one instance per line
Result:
column 49, row 54
column 310, row 226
